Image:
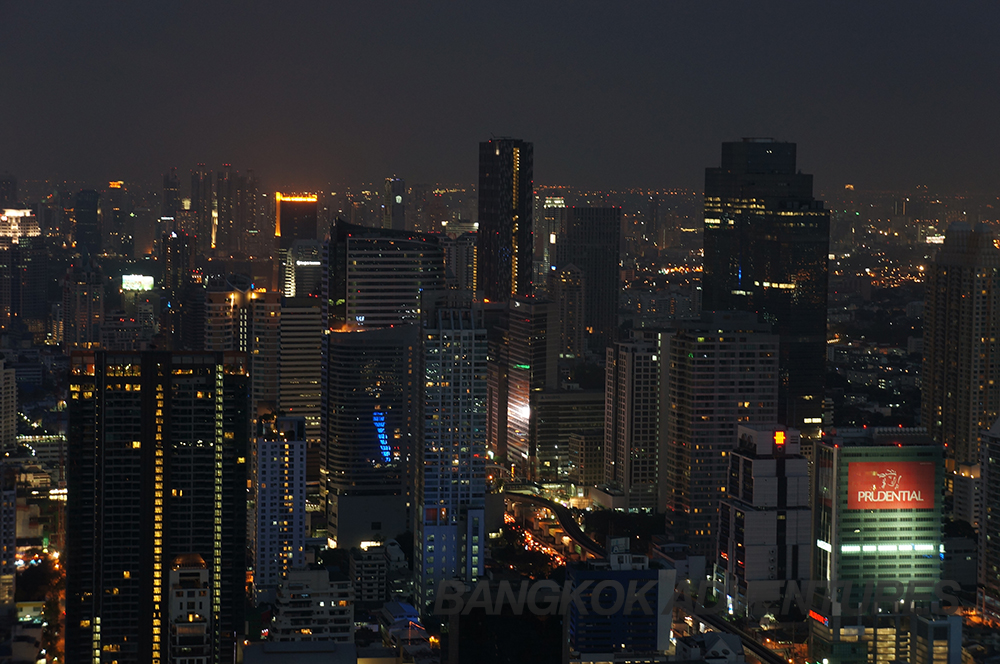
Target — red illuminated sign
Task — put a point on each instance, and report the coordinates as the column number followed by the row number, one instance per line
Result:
column 890, row 485
column 818, row 617
column 779, row 438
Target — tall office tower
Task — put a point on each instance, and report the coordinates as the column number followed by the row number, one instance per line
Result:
column 225, row 208
column 394, row 204
column 590, row 240
column 877, row 518
column 8, row 535
column 277, row 503
column 226, row 313
column 988, row 599
column 460, row 261
column 766, row 246
column 505, row 250
column 548, row 229
column 632, row 448
column 567, row 290
column 720, row 372
column 171, row 202
column 295, row 218
column 8, row 410
column 522, row 363
column 374, row 277
column 156, row 492
column 8, row 191
column 300, row 361
column 82, row 306
column 22, row 269
column 303, row 271
column 202, row 204
column 116, row 225
column 451, row 461
column 178, row 259
column 176, row 256
column 765, row 524
column 368, row 426
column 960, row 380
column 88, row 225
column 557, row 415
column 263, row 346
column 247, row 214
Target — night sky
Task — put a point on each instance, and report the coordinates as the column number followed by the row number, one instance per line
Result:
column 613, row 94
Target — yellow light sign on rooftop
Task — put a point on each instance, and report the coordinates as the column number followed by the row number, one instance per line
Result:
column 295, row 198
column 116, row 184
column 290, row 198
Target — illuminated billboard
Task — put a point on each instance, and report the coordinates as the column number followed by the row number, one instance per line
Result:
column 890, row 485
column 136, row 282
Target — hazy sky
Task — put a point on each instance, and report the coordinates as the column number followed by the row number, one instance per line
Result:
column 612, row 93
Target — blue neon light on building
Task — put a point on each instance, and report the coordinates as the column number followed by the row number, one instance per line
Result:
column 378, row 419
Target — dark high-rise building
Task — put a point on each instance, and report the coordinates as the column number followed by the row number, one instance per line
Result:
column 247, row 213
column 505, row 249
column 374, row 276
column 171, row 195
column 368, row 425
column 88, row 225
column 157, row 498
column 295, row 218
column 8, row 191
column 225, row 196
column 202, row 200
column 960, row 382
column 590, row 240
column 766, row 246
column 394, row 204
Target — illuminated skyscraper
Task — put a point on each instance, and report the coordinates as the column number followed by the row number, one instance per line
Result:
column 374, row 276
column 157, row 484
column 505, row 251
column 766, row 246
column 294, row 219
column 522, row 364
column 876, row 518
column 277, row 504
column 451, row 461
column 960, row 380
column 22, row 269
column 202, row 203
column 394, row 204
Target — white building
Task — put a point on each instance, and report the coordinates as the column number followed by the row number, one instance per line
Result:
column 765, row 523
column 190, row 611
column 451, row 483
column 277, row 504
